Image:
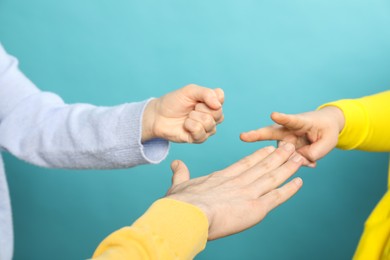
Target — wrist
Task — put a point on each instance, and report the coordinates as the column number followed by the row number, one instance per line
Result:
column 198, row 204
column 336, row 114
column 148, row 121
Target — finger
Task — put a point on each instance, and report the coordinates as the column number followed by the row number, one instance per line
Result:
column 206, row 120
column 320, row 148
column 306, row 162
column 273, row 132
column 197, row 132
column 311, row 165
column 180, row 172
column 271, row 162
column 220, row 95
column 216, row 114
column 278, row 196
column 275, row 178
column 294, row 122
column 201, row 94
column 248, row 161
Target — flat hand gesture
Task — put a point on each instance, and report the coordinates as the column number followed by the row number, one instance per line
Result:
column 314, row 134
column 241, row 195
column 189, row 115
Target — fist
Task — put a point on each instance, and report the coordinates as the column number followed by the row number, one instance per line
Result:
column 187, row 115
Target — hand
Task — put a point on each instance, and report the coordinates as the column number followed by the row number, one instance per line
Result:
column 314, row 134
column 241, row 195
column 189, row 115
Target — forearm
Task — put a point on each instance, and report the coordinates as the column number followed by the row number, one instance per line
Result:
column 46, row 132
column 366, row 123
column 170, row 229
column 40, row 128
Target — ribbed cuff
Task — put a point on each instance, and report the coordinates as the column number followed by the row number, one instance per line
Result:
column 129, row 133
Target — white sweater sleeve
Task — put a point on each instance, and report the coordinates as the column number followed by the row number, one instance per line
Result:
column 40, row 128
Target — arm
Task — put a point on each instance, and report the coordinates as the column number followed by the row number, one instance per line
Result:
column 367, row 124
column 207, row 208
column 40, row 128
column 347, row 124
column 170, row 229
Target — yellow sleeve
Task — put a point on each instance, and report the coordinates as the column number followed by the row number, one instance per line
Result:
column 169, row 229
column 367, row 123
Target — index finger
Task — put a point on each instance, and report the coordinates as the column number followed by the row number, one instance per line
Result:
column 273, row 132
column 293, row 122
column 202, row 94
column 216, row 114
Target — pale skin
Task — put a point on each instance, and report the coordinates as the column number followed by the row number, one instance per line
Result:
column 313, row 133
column 187, row 115
column 241, row 195
column 237, row 197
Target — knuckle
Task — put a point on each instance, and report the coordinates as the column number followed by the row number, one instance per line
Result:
column 246, row 161
column 209, row 120
column 209, row 92
column 234, row 182
column 277, row 196
column 272, row 178
column 291, row 166
column 190, row 86
column 267, row 164
column 197, row 128
column 218, row 115
column 280, row 152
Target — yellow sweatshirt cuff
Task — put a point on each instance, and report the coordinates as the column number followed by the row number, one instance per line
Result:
column 169, row 229
column 356, row 123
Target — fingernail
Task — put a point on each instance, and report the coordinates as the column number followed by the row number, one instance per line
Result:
column 311, row 165
column 298, row 181
column 270, row 149
column 217, row 103
column 296, row 158
column 288, row 147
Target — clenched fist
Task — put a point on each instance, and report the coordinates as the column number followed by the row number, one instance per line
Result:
column 187, row 115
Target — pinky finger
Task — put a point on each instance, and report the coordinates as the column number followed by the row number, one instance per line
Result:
column 278, row 196
column 196, row 131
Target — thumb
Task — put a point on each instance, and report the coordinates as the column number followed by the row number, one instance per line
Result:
column 220, row 95
column 180, row 172
column 293, row 122
column 202, row 94
column 318, row 149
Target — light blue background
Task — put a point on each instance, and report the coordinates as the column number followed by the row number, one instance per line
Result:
column 270, row 55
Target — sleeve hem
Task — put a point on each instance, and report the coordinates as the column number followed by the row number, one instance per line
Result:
column 356, row 123
column 130, row 133
column 166, row 231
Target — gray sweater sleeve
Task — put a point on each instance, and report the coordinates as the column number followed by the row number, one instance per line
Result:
column 40, row 128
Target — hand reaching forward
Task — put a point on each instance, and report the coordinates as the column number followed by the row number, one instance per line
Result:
column 314, row 134
column 189, row 114
column 241, row 195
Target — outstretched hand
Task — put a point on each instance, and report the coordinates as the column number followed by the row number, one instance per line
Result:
column 187, row 115
column 314, row 134
column 241, row 195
